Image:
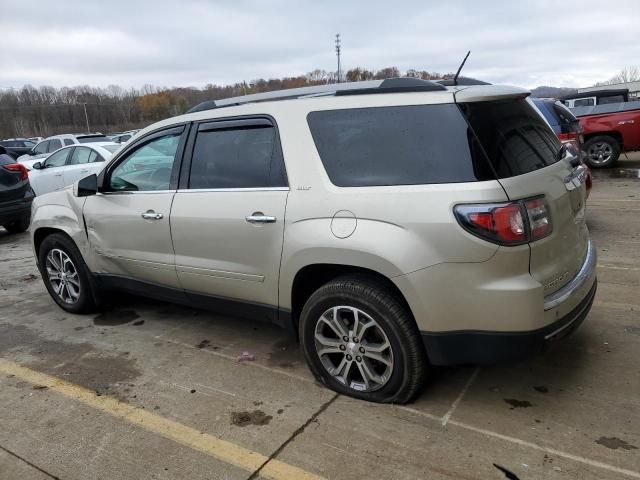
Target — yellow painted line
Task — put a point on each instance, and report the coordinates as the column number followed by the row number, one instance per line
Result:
column 208, row 444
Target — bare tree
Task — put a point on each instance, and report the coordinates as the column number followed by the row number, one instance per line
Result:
column 627, row 74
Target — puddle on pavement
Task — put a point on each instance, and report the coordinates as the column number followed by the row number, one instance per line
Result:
column 112, row 318
column 79, row 363
column 615, row 443
column 518, row 403
column 257, row 417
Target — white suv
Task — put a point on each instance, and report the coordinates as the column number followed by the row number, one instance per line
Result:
column 55, row 142
column 392, row 225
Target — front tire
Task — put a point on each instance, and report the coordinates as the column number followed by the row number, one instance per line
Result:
column 360, row 340
column 601, row 151
column 65, row 275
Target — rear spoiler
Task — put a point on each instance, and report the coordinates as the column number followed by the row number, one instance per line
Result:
column 486, row 93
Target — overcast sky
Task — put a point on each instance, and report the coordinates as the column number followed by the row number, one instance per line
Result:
column 192, row 43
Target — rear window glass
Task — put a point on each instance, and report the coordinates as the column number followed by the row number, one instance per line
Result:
column 111, row 148
column 96, row 138
column 611, row 99
column 515, row 138
column 407, row 145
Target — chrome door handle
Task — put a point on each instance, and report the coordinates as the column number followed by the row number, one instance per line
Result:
column 151, row 215
column 259, row 217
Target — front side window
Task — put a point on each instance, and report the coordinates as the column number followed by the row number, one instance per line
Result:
column 246, row 157
column 57, row 159
column 80, row 155
column 147, row 168
column 41, row 148
column 404, row 145
column 54, row 145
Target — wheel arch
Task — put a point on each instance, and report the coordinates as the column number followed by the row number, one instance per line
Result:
column 616, row 135
column 312, row 276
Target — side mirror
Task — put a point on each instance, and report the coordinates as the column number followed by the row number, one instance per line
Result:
column 86, row 186
column 37, row 166
column 31, row 153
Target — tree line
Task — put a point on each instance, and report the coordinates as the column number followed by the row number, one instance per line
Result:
column 45, row 111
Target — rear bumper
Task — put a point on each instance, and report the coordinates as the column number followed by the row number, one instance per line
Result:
column 484, row 347
column 15, row 211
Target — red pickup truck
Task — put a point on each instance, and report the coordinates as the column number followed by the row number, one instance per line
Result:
column 609, row 130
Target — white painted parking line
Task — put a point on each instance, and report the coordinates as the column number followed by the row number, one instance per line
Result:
column 454, row 405
column 526, row 444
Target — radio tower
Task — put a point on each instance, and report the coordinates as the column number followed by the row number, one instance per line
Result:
column 338, row 55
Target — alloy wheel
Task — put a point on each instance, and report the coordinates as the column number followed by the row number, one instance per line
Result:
column 63, row 276
column 600, row 153
column 353, row 348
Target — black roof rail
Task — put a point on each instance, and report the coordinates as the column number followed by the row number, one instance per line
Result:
column 389, row 85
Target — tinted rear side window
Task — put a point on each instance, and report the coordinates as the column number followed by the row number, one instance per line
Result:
column 408, row 145
column 237, row 158
column 514, row 136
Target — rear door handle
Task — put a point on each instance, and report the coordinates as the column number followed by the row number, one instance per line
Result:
column 259, row 217
column 151, row 215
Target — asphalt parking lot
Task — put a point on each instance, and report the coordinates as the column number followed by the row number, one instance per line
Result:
column 152, row 390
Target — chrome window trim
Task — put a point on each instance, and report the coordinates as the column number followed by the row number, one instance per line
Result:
column 134, row 192
column 249, row 189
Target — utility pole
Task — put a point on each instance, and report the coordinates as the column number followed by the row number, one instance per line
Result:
column 86, row 117
column 338, row 55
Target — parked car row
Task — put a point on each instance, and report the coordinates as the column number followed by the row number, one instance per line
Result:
column 15, row 147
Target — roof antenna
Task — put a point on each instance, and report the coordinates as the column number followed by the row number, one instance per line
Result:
column 455, row 78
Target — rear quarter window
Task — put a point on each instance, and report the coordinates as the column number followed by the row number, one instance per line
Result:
column 405, row 145
column 514, row 137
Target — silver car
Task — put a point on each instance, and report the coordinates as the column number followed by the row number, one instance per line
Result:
column 391, row 225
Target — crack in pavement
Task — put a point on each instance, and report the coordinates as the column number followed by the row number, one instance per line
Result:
column 15, row 455
column 293, row 436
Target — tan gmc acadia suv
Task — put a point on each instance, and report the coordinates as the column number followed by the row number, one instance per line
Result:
column 393, row 225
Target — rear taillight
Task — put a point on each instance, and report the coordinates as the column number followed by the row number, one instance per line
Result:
column 568, row 136
column 18, row 168
column 539, row 218
column 511, row 223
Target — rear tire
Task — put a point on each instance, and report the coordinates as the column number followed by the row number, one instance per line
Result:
column 65, row 275
column 18, row 226
column 363, row 367
column 601, row 151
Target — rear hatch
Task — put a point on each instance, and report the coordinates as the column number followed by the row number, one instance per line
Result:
column 14, row 184
column 529, row 161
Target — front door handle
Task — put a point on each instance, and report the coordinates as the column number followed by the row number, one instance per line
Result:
column 259, row 217
column 151, row 215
